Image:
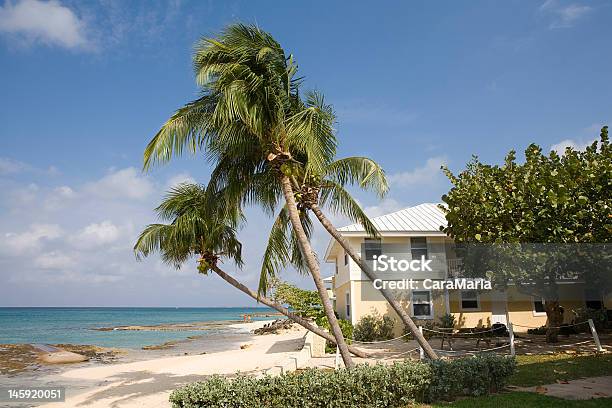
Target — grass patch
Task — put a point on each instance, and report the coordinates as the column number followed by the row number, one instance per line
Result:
column 524, row 399
column 548, row 368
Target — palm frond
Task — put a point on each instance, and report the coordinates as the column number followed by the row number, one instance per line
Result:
column 361, row 171
column 186, row 129
column 198, row 223
column 276, row 254
column 310, row 131
column 339, row 201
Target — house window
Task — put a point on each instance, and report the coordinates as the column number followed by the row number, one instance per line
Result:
column 593, row 299
column 538, row 307
column 348, row 304
column 372, row 247
column 418, row 247
column 346, row 261
column 421, row 304
column 469, row 300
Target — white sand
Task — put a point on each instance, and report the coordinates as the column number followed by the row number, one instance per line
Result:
column 149, row 383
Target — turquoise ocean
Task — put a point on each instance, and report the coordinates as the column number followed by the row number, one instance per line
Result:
column 76, row 325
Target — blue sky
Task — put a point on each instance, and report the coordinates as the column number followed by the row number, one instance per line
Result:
column 86, row 84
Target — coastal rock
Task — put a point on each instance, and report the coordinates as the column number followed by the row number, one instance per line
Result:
column 274, row 327
column 62, row 357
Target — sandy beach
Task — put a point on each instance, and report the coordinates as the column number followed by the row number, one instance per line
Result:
column 148, row 383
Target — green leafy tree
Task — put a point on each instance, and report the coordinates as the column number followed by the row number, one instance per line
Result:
column 529, row 213
column 204, row 226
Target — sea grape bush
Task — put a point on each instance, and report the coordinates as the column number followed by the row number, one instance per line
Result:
column 396, row 385
column 374, row 328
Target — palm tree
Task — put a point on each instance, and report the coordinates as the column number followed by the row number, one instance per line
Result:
column 327, row 189
column 251, row 115
column 198, row 225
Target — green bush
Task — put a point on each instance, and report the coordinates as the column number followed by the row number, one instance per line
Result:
column 426, row 324
column 346, row 327
column 447, row 321
column 374, row 328
column 538, row 330
column 396, row 385
column 599, row 317
column 469, row 376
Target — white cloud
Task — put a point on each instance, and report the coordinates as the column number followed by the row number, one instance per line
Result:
column 179, row 179
column 579, row 143
column 576, row 145
column 54, row 260
column 421, row 175
column 386, row 206
column 58, row 198
column 46, row 22
column 95, row 235
column 125, row 183
column 31, row 239
column 11, row 166
column 564, row 15
column 82, row 236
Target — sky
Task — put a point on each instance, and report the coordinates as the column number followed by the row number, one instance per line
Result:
column 84, row 85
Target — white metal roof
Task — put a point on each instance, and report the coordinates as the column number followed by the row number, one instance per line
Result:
column 427, row 217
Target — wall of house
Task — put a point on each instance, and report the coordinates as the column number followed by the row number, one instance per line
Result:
column 435, row 246
column 368, row 300
column 470, row 318
column 365, row 299
column 521, row 309
column 341, row 292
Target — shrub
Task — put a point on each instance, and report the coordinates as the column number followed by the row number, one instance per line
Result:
column 347, row 331
column 396, row 385
column 373, row 328
column 537, row 331
column 599, row 317
column 469, row 376
column 447, row 321
column 426, row 324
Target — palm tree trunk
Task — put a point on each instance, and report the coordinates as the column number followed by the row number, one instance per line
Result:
column 270, row 303
column 313, row 266
column 406, row 319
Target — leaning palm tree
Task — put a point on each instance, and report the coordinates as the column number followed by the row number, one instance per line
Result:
column 198, row 225
column 327, row 189
column 251, row 115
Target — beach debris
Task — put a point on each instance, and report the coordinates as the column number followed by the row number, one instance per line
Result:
column 245, row 346
column 274, row 327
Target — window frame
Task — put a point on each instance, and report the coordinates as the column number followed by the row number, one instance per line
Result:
column 534, row 299
column 370, row 241
column 348, row 304
column 430, row 303
column 469, row 309
column 412, row 247
column 346, row 259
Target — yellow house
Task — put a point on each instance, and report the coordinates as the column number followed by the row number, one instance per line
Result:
column 418, row 231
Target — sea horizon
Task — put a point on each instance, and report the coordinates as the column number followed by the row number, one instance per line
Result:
column 93, row 325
